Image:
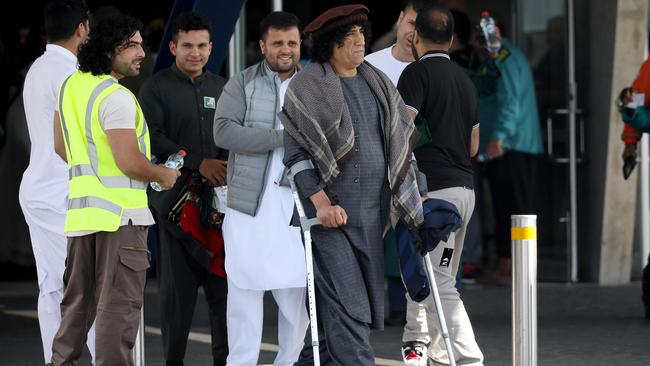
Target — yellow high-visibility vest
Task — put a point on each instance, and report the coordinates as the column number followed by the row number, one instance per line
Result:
column 99, row 190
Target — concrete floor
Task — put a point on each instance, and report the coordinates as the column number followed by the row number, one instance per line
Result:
column 577, row 325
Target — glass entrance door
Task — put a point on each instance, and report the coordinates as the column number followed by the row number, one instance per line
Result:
column 541, row 30
column 545, row 33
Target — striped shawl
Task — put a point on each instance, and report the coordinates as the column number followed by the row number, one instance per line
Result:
column 316, row 115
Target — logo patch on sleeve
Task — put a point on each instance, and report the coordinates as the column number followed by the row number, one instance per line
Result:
column 447, row 253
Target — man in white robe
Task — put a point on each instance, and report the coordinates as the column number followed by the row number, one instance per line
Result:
column 263, row 252
column 44, row 188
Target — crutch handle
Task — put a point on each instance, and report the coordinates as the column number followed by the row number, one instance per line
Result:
column 306, row 223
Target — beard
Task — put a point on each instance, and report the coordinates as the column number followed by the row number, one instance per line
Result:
column 126, row 69
column 275, row 65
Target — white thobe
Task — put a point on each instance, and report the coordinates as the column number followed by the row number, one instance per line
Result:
column 264, row 252
column 44, row 187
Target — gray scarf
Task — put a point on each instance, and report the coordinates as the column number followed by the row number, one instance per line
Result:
column 316, row 115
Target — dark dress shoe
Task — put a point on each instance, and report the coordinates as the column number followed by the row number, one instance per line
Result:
column 397, row 318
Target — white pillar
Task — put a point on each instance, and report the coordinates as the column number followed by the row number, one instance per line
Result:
column 236, row 61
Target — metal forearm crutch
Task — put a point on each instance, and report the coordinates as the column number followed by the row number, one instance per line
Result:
column 306, row 225
column 441, row 315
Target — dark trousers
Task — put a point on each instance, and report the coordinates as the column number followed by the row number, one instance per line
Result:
column 645, row 284
column 344, row 340
column 396, row 295
column 104, row 282
column 512, row 184
column 180, row 278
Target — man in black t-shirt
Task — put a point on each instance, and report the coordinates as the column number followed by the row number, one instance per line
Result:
column 441, row 96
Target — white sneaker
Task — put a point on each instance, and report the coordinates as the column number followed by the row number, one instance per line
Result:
column 414, row 354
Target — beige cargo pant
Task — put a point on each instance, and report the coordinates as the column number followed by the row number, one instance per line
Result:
column 422, row 319
column 104, row 282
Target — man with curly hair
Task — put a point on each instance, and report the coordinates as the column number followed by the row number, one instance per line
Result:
column 100, row 131
column 345, row 119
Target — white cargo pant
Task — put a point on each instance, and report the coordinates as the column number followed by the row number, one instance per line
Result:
column 421, row 318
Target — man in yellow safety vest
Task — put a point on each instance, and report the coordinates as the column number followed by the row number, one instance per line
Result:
column 101, row 132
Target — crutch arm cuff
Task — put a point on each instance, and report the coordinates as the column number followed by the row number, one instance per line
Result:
column 299, row 167
column 306, row 178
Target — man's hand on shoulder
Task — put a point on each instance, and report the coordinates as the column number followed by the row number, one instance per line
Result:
column 214, row 171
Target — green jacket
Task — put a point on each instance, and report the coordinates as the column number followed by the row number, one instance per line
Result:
column 511, row 114
column 638, row 118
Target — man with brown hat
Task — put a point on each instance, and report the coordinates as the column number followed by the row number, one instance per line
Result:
column 345, row 119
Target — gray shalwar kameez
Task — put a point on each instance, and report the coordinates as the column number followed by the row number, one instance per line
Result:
column 348, row 261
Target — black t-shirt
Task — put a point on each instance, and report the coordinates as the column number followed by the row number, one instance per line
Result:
column 441, row 93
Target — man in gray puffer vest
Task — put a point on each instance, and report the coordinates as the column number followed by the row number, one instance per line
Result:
column 262, row 251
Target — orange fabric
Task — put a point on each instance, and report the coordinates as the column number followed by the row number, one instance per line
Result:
column 642, row 82
column 640, row 85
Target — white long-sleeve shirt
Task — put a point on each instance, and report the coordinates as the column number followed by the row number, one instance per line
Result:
column 45, row 182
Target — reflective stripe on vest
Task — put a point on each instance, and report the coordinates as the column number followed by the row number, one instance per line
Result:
column 90, row 201
column 91, row 170
column 111, row 182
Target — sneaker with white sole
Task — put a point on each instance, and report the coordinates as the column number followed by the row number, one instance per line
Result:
column 414, row 354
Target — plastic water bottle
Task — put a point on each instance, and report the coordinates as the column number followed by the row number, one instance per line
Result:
column 482, row 157
column 488, row 28
column 174, row 161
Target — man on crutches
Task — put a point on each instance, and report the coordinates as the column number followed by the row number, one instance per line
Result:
column 345, row 118
column 439, row 93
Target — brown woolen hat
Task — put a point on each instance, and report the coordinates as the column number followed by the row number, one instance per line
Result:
column 336, row 17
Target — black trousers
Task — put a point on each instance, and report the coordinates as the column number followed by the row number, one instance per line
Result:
column 645, row 284
column 180, row 277
column 343, row 340
column 512, row 186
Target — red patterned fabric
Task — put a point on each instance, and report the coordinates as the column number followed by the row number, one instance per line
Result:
column 210, row 237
